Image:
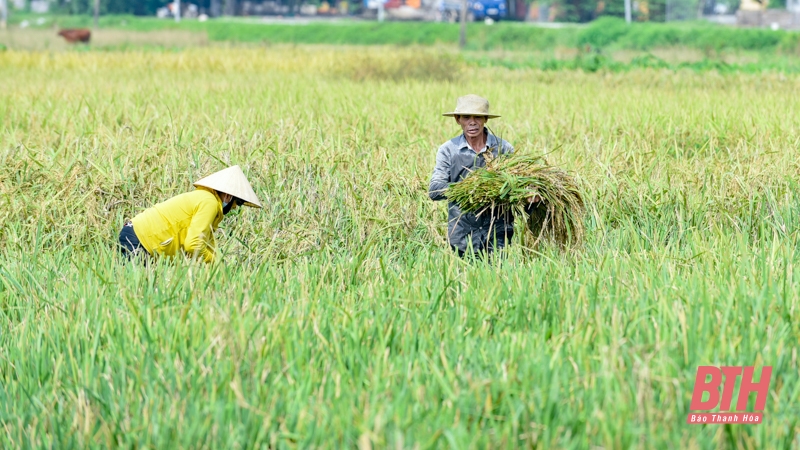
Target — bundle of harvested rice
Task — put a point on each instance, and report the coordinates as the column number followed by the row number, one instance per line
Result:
column 507, row 182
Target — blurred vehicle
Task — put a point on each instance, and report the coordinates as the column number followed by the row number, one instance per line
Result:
column 402, row 9
column 450, row 10
column 440, row 10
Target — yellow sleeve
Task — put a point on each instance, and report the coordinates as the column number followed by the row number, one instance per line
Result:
column 199, row 240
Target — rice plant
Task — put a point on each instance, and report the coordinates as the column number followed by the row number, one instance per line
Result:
column 338, row 317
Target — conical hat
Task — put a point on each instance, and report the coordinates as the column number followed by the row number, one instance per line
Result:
column 231, row 181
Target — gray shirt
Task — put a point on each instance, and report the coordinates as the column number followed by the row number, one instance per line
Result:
column 454, row 161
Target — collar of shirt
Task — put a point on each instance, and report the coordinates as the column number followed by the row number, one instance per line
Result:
column 492, row 141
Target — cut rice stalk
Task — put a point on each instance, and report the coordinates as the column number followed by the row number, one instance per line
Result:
column 507, row 183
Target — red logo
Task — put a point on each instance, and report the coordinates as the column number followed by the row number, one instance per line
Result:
column 724, row 400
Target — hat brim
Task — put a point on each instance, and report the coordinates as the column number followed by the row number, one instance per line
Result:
column 453, row 114
column 224, row 191
column 231, row 181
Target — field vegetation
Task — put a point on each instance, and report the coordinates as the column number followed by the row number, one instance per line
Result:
column 606, row 45
column 605, row 33
column 337, row 316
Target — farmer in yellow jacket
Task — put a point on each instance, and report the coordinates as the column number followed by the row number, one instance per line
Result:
column 187, row 221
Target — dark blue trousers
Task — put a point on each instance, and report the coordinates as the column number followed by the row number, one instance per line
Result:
column 129, row 243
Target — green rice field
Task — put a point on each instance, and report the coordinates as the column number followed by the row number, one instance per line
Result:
column 337, row 316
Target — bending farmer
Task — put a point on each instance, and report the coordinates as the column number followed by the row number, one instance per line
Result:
column 466, row 232
column 187, row 222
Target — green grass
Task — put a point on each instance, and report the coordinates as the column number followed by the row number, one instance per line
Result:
column 605, row 62
column 609, row 32
column 337, row 316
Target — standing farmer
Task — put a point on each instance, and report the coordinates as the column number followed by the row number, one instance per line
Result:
column 187, row 221
column 466, row 232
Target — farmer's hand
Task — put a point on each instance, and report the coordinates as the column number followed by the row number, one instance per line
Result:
column 534, row 199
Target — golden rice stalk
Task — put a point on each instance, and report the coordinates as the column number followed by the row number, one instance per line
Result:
column 508, row 182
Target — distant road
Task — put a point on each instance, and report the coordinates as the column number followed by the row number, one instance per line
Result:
column 307, row 20
column 296, row 20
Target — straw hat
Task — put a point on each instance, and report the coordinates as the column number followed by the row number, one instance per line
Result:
column 472, row 105
column 231, row 181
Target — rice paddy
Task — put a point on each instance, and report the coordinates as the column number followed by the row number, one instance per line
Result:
column 338, row 317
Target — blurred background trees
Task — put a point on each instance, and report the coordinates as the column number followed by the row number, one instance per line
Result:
column 540, row 10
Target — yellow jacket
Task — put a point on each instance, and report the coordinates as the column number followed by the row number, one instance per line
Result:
column 184, row 222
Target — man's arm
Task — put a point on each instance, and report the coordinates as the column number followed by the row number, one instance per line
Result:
column 440, row 180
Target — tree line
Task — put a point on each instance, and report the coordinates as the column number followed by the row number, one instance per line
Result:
column 561, row 10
